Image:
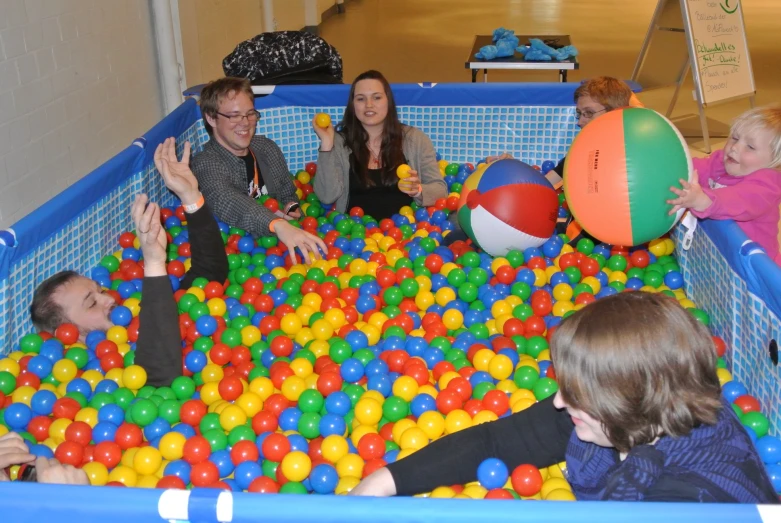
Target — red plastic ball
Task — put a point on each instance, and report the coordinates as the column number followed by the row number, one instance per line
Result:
column 526, row 480
column 275, row 447
column 204, row 473
column 747, row 403
column 128, row 436
column 108, row 453
column 173, row 482
column 67, row 333
column 197, row 450
column 69, row 453
column 263, row 485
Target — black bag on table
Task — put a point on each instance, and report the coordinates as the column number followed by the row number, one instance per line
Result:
column 285, row 57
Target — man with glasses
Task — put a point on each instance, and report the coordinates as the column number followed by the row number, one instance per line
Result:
column 236, row 167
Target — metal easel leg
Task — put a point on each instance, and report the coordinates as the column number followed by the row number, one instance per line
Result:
column 684, row 71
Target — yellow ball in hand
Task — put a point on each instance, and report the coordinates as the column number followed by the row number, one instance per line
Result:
column 322, row 120
column 403, row 171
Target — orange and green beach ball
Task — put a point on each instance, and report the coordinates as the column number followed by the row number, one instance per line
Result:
column 618, row 174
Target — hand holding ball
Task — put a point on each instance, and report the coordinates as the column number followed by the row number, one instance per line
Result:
column 408, row 179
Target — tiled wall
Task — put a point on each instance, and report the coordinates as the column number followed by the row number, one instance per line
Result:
column 78, row 82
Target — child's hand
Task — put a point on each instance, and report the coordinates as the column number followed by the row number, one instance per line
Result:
column 690, row 197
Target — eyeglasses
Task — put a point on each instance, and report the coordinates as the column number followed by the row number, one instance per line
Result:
column 251, row 117
column 587, row 114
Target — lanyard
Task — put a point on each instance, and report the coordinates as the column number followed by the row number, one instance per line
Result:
column 255, row 165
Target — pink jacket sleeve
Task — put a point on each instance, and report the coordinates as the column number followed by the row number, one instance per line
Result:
column 744, row 201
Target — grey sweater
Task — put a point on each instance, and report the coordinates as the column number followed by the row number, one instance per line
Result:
column 222, row 177
column 332, row 182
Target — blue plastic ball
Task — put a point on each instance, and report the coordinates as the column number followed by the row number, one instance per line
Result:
column 492, row 473
column 324, row 478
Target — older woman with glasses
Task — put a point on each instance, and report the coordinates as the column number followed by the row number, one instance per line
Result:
column 236, row 167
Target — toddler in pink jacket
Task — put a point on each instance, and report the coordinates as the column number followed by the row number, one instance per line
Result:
column 742, row 182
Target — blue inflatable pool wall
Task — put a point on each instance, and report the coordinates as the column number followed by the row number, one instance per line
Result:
column 725, row 275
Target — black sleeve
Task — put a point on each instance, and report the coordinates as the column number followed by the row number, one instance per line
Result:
column 159, row 345
column 559, row 169
column 206, row 248
column 537, row 435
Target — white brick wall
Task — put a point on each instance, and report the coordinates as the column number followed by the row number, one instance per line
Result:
column 78, row 82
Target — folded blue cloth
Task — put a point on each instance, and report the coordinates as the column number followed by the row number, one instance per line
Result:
column 505, row 43
column 539, row 50
column 502, row 33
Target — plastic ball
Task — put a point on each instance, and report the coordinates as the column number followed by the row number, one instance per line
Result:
column 492, row 473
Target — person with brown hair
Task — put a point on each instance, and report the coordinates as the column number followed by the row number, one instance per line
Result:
column 638, row 417
column 357, row 163
column 236, row 167
column 593, row 98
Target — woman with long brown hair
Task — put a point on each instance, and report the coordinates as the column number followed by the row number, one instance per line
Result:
column 357, row 162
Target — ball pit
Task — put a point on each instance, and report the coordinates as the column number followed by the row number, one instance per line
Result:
column 284, row 372
column 334, row 312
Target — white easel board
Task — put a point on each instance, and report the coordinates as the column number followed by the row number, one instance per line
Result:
column 718, row 50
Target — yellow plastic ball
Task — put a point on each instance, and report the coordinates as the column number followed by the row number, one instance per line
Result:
column 290, row 324
column 217, row 306
column 172, row 445
column 88, row 415
column 147, row 460
column 210, row 393
column 64, row 370
column 125, row 475
column 350, row 465
column 413, row 438
column 552, row 484
column 500, row 367
column 231, row 417
column 24, row 394
column 336, row 318
column 293, row 387
column 57, row 428
column 453, row 319
column 296, row 465
column 424, row 300
column 521, row 404
column 147, row 481
column 368, row 411
column 134, row 377
column 501, row 308
column 97, row 473
column 405, row 387
column 399, row 427
column 250, row 335
column 724, row 376
column 484, row 416
column 346, row 484
column 657, row 247
column 212, row 373
column 475, row 491
column 334, row 448
column 432, row 423
column 562, row 292
column 482, row 359
column 457, row 420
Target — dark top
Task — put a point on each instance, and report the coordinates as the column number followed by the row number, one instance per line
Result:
column 159, row 345
column 378, row 201
column 713, row 463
